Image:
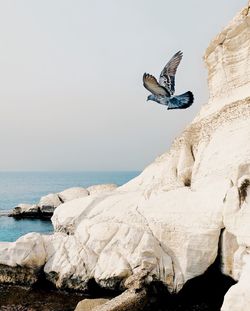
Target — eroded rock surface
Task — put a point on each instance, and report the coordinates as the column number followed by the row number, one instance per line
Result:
column 98, row 189
column 72, row 194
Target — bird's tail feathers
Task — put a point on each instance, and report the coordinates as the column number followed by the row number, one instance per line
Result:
column 182, row 101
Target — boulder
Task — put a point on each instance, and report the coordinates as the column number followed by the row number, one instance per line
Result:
column 72, row 193
column 48, row 204
column 21, row 261
column 134, row 298
column 90, row 304
column 127, row 301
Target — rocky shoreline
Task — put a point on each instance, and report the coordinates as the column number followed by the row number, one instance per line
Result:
column 45, row 208
column 204, row 293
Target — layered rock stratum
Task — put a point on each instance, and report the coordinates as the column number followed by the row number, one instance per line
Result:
column 186, row 208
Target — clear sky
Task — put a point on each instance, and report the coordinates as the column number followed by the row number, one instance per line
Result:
column 71, row 93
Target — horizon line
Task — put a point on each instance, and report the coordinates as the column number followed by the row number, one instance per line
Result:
column 67, row 171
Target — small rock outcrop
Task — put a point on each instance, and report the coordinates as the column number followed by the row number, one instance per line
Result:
column 45, row 208
column 48, row 204
column 25, row 210
column 22, row 261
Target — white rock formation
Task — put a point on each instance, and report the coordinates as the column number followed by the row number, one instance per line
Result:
column 169, row 219
column 227, row 60
column 27, row 251
column 49, row 203
column 21, row 260
column 238, row 296
column 98, row 189
column 73, row 193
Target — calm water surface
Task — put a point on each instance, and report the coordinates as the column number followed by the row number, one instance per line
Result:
column 28, row 187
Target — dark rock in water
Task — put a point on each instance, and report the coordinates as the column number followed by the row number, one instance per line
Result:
column 27, row 210
column 32, row 211
column 43, row 210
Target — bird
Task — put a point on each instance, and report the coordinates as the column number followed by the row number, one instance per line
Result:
column 163, row 91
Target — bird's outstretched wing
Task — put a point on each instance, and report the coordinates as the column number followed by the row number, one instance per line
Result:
column 151, row 84
column 167, row 76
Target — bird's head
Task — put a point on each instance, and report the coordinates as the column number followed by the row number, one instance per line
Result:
column 151, row 97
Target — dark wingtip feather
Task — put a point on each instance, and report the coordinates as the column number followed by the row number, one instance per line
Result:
column 179, row 53
column 191, row 97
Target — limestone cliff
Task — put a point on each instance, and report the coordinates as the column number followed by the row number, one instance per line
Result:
column 186, row 207
column 227, row 60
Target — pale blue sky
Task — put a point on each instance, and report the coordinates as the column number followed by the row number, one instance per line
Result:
column 71, row 94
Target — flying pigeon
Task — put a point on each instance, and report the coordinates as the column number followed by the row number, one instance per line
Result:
column 163, row 91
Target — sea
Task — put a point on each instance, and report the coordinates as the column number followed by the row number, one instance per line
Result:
column 28, row 187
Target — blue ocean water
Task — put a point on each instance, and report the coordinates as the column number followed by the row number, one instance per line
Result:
column 28, row 187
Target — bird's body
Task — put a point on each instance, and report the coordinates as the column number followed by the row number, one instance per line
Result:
column 163, row 91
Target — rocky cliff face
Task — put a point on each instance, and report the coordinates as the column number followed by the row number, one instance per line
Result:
column 227, row 61
column 187, row 207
